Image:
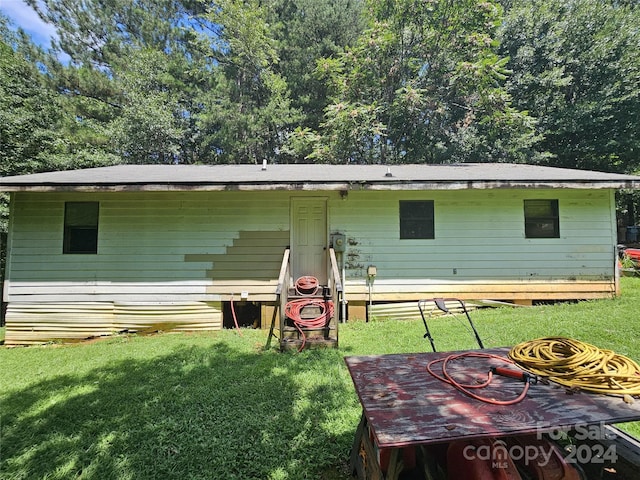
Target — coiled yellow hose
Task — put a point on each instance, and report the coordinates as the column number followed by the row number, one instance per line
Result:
column 578, row 365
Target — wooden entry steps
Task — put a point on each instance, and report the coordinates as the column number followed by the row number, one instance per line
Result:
column 314, row 334
column 299, row 337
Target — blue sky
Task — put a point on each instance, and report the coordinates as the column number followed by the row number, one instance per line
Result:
column 23, row 16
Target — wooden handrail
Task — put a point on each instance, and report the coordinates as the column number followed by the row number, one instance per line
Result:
column 337, row 288
column 283, row 272
column 283, row 286
column 335, row 271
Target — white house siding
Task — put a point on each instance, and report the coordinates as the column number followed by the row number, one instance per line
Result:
column 479, row 249
column 168, row 258
column 151, row 247
column 182, row 253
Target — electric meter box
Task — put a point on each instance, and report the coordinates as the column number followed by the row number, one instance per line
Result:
column 338, row 242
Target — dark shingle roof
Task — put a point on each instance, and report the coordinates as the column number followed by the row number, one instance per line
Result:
column 317, row 177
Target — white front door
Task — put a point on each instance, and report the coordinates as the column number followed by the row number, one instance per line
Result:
column 309, row 238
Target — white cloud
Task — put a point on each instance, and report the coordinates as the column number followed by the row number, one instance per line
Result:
column 23, row 16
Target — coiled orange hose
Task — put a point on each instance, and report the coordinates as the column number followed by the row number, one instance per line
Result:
column 293, row 310
column 308, row 285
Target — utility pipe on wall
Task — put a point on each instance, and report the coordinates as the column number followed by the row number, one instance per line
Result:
column 343, row 301
column 372, row 271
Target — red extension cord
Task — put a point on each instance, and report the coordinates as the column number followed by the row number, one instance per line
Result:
column 467, row 388
column 307, row 285
column 293, row 309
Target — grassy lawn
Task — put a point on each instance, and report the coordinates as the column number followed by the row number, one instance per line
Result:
column 218, row 406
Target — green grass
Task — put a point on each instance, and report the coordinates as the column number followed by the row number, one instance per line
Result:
column 218, row 406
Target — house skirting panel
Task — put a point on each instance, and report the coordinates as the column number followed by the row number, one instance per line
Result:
column 34, row 323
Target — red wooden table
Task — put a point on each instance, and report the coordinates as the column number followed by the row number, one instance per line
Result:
column 404, row 405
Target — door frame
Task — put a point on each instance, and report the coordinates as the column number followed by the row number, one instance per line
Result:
column 318, row 200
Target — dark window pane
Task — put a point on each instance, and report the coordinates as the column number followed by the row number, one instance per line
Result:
column 82, row 240
column 416, row 219
column 81, row 227
column 81, row 214
column 541, row 219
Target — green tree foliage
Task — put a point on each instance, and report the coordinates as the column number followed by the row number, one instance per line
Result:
column 153, row 118
column 186, row 81
column 576, row 68
column 29, row 115
column 134, row 75
column 423, row 84
column 248, row 110
column 98, row 32
column 175, row 81
column 307, row 31
column 37, row 130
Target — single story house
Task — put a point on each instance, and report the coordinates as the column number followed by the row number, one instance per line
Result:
column 131, row 247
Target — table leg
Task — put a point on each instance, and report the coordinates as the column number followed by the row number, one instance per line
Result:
column 396, row 465
column 364, row 457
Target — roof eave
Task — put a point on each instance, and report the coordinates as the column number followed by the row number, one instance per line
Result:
column 322, row 186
